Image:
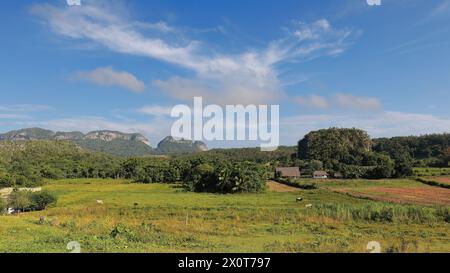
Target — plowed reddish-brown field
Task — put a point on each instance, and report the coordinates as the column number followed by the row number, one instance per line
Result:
column 422, row 195
column 443, row 180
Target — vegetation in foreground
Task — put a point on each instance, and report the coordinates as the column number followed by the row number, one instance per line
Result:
column 138, row 217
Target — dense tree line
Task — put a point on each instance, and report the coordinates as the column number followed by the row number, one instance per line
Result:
column 426, row 151
column 199, row 173
column 28, row 163
column 351, row 153
column 284, row 155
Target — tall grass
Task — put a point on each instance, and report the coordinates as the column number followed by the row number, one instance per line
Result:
column 382, row 213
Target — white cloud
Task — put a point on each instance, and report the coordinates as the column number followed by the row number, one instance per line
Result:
column 250, row 76
column 349, row 101
column 20, row 111
column 13, row 116
column 345, row 101
column 155, row 110
column 227, row 92
column 313, row 101
column 106, row 76
column 24, row 108
column 379, row 124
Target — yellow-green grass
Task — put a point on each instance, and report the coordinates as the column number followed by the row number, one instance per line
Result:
column 164, row 218
column 427, row 171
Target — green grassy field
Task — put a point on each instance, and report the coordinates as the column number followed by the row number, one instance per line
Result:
column 164, row 218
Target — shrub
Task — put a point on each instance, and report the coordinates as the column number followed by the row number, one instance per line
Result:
column 41, row 200
column 225, row 178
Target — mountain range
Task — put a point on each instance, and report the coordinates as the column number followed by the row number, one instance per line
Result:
column 112, row 142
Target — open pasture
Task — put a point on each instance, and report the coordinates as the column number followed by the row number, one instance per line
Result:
column 164, row 218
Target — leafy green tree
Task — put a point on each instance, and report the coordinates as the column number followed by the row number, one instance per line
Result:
column 335, row 145
column 41, row 200
column 384, row 166
column 19, row 200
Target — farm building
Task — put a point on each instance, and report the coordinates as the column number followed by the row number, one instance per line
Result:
column 287, row 172
column 320, row 175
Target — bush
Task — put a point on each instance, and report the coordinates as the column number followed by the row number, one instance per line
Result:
column 30, row 201
column 41, row 200
column 225, row 178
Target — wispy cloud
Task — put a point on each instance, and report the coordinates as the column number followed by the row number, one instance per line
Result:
column 341, row 100
column 354, row 102
column 23, row 108
column 106, row 76
column 380, row 124
column 250, row 76
column 20, row 111
column 313, row 101
column 440, row 9
column 155, row 110
column 13, row 116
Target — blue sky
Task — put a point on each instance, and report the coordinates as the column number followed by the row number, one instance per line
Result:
column 122, row 65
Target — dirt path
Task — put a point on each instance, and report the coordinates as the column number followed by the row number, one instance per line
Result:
column 8, row 191
column 278, row 187
column 427, row 196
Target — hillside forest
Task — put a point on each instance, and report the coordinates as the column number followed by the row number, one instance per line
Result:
column 351, row 153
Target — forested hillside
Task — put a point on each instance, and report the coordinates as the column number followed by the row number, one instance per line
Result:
column 352, row 153
column 428, row 150
column 111, row 142
column 347, row 152
column 26, row 163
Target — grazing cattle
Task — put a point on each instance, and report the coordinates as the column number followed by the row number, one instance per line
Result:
column 299, row 199
column 100, row 202
column 309, row 206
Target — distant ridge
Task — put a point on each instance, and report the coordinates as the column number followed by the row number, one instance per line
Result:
column 171, row 145
column 112, row 142
column 43, row 134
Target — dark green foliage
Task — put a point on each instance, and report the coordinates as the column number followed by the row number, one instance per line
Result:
column 309, row 167
column 349, row 152
column 26, row 163
column 116, row 147
column 225, row 177
column 41, row 200
column 384, row 166
column 335, row 145
column 283, row 156
column 30, row 201
column 435, row 148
